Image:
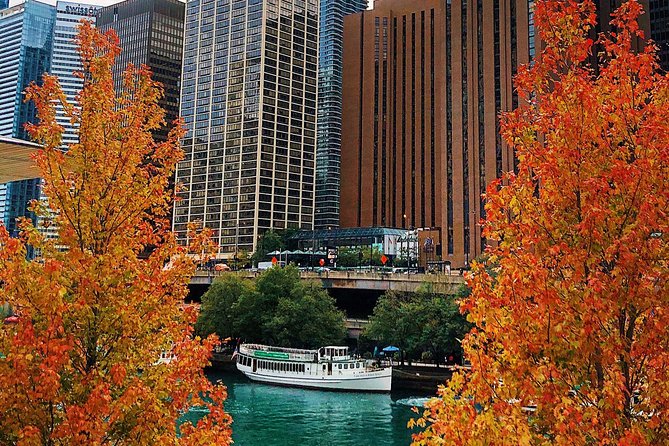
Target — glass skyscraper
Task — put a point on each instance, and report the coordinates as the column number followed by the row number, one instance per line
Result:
column 151, row 32
column 249, row 103
column 328, row 152
column 26, row 38
column 659, row 29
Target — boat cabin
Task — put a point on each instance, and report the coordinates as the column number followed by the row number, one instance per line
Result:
column 333, row 354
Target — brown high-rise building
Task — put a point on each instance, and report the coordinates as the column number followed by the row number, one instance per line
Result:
column 424, row 82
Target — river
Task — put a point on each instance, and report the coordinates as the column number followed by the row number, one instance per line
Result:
column 276, row 416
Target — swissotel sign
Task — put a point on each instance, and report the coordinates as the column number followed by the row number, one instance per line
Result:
column 81, row 10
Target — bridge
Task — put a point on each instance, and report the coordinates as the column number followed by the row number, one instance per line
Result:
column 364, row 280
column 354, row 327
column 15, row 161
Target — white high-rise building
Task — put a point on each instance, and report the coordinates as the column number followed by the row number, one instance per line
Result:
column 65, row 62
column 249, row 93
column 65, row 58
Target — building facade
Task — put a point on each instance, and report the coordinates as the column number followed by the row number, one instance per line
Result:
column 328, row 149
column 26, row 40
column 151, row 32
column 423, row 87
column 65, row 60
column 659, row 29
column 249, row 104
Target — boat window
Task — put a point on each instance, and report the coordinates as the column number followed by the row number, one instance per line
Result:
column 357, row 365
column 339, row 365
column 346, row 366
column 323, row 367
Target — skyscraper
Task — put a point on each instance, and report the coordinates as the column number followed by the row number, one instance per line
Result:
column 65, row 61
column 659, row 29
column 151, row 32
column 249, row 103
column 423, row 85
column 26, row 37
column 65, row 58
column 328, row 151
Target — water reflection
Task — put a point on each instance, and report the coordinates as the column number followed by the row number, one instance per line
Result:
column 270, row 415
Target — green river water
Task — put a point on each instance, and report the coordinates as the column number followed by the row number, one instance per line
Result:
column 276, row 416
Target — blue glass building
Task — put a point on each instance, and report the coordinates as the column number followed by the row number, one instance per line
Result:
column 328, row 152
column 26, row 36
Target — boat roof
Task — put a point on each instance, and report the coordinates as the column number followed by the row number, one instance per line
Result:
column 278, row 349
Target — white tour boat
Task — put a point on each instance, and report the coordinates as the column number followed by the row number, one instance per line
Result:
column 328, row 368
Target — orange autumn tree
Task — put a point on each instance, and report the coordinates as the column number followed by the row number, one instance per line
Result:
column 82, row 366
column 571, row 343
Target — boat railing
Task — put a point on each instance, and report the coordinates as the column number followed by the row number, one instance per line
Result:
column 294, row 354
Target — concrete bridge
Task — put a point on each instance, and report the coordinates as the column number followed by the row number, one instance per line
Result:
column 440, row 283
column 354, row 327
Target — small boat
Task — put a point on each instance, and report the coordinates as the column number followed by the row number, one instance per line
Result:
column 328, row 368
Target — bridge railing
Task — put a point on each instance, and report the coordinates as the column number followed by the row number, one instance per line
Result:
column 352, row 274
column 442, row 283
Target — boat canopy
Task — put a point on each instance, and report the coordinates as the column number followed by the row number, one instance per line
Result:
column 333, row 352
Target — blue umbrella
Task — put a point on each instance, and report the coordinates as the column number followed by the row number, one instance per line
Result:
column 390, row 349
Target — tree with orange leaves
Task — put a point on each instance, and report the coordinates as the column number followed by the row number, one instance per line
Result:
column 571, row 337
column 82, row 366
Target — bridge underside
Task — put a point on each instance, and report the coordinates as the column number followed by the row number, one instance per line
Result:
column 15, row 161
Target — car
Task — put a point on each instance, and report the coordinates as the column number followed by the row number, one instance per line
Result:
column 221, row 267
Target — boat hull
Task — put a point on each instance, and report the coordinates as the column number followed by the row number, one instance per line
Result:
column 377, row 381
